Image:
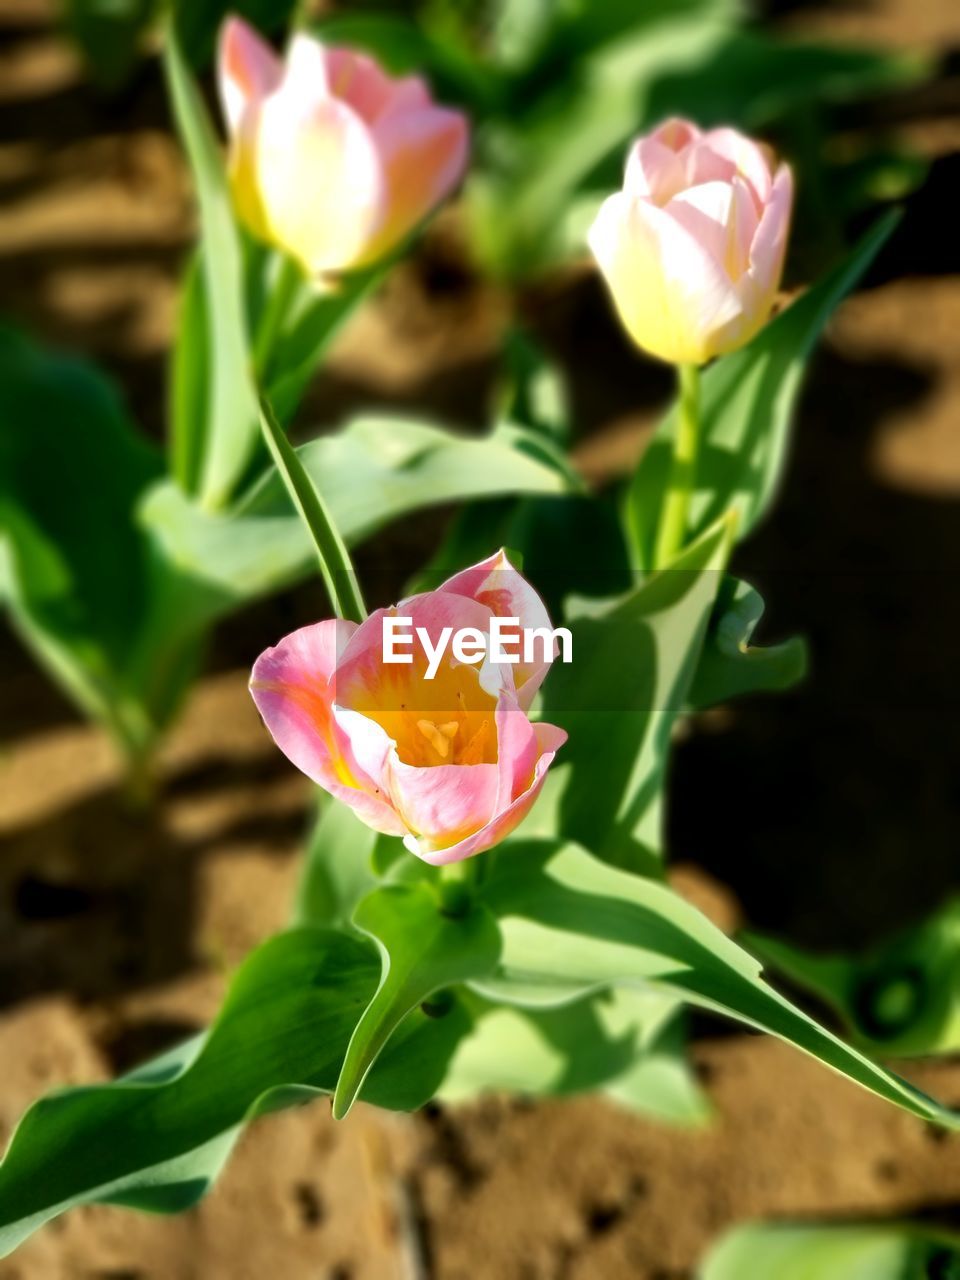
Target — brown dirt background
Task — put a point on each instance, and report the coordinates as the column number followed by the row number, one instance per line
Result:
column 117, row 936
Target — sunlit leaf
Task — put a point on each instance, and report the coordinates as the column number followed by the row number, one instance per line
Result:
column 874, row 1251
column 157, row 1139
column 423, row 947
column 568, row 918
column 634, row 661
column 228, row 422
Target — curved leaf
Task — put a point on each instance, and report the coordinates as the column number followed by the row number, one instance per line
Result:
column 422, row 948
column 729, row 665
column 635, row 659
column 567, row 917
column 373, row 471
column 899, row 997
column 74, row 570
column 157, row 1139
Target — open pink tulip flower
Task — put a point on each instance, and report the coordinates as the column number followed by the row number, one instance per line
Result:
column 452, row 761
column 332, row 159
column 692, row 248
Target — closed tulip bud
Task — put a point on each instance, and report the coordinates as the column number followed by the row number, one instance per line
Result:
column 440, row 750
column 331, row 159
column 692, row 248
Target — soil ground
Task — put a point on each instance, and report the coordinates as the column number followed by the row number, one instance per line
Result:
column 116, row 936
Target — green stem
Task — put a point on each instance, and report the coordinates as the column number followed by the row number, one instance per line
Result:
column 672, row 530
column 336, row 566
column 288, row 280
column 456, row 883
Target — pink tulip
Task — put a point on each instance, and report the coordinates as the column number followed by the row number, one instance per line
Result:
column 451, row 763
column 692, row 248
column 331, row 159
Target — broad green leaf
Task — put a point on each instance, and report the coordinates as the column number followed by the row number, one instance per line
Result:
column 729, row 665
column 898, row 998
column 369, row 474
column 660, row 1081
column 229, row 419
column 157, row 1139
column 634, row 660
column 337, row 867
column 537, row 1052
column 423, row 947
column 568, row 918
column 874, row 1251
column 747, row 402
column 73, row 568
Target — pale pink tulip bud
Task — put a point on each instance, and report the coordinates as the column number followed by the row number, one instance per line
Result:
column 692, row 248
column 331, row 159
column 439, row 751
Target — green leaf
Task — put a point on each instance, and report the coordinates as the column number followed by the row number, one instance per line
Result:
column 729, row 665
column 229, row 419
column 747, row 401
column 848, row 1252
column 369, row 474
column 898, row 998
column 422, row 948
column 189, row 378
column 157, row 1139
column 634, row 662
column 660, row 1082
column 537, row 1052
column 337, row 867
column 567, row 918
column 336, row 567
column 73, row 569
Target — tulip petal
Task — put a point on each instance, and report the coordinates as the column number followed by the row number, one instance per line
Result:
column 320, row 180
column 292, row 686
column 360, row 82
column 654, row 171
column 722, row 152
column 494, row 582
column 676, row 133
column 550, row 739
column 424, row 154
column 445, row 804
column 247, row 69
column 770, row 240
column 671, row 292
column 723, row 218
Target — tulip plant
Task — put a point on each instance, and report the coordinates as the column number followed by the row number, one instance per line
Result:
column 484, row 902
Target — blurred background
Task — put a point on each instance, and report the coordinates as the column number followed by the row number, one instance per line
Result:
column 118, row 929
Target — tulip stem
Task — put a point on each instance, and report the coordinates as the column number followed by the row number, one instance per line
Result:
column 336, row 566
column 456, row 883
column 276, row 308
column 674, row 515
